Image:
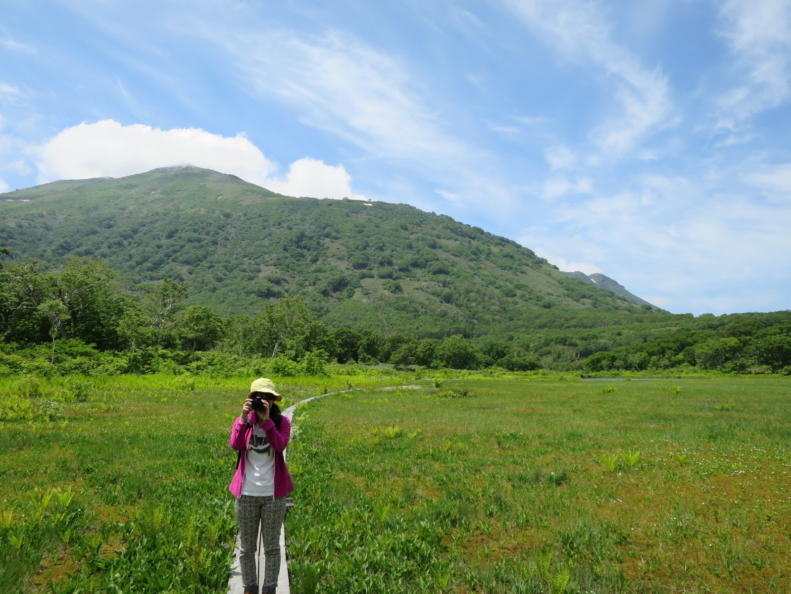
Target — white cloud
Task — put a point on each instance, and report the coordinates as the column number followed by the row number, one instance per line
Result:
column 565, row 265
column 759, row 34
column 450, row 196
column 16, row 47
column 560, row 157
column 18, row 167
column 4, row 187
column 309, row 177
column 669, row 233
column 109, row 149
column 9, row 90
column 557, row 186
column 775, row 179
column 347, row 88
column 578, row 29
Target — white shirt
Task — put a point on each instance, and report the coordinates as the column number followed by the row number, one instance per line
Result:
column 259, row 470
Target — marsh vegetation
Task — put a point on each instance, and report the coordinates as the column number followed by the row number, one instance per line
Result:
column 522, row 484
column 545, row 487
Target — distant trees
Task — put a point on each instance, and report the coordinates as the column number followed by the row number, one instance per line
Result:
column 81, row 301
column 457, row 353
column 162, row 302
column 81, row 309
column 285, row 322
column 740, row 345
column 775, row 351
column 199, row 328
column 717, row 352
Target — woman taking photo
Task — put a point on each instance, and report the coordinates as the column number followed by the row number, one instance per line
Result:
column 261, row 482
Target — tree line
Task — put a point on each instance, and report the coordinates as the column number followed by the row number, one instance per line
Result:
column 82, row 318
column 758, row 345
column 82, row 309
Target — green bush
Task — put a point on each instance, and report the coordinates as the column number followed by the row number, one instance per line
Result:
column 283, row 366
column 457, row 353
column 313, row 363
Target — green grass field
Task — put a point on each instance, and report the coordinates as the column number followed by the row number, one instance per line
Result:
column 119, row 484
column 509, row 486
column 482, row 485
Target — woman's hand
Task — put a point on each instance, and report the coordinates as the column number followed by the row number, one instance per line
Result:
column 246, row 408
column 264, row 414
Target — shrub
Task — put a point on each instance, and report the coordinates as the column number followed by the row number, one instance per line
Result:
column 512, row 362
column 457, row 393
column 457, row 353
column 393, row 286
column 282, row 366
column 28, row 387
column 76, row 390
column 601, row 361
column 313, row 363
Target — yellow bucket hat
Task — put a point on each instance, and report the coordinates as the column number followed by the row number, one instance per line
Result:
column 263, row 384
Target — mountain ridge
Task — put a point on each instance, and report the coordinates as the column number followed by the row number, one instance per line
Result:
column 605, row 282
column 379, row 265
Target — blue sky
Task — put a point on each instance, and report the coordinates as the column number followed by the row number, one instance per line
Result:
column 645, row 139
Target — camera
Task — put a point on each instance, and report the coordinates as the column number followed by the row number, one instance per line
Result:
column 257, row 402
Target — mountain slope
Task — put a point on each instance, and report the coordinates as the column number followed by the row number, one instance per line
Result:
column 388, row 267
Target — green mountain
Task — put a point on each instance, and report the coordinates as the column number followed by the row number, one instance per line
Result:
column 386, row 267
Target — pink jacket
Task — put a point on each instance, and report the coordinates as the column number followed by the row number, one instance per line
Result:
column 240, row 437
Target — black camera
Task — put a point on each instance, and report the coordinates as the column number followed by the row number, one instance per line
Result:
column 257, row 402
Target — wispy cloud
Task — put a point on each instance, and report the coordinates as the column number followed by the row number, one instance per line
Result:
column 558, row 186
column 343, row 86
column 579, row 30
column 669, row 233
column 775, row 180
column 9, row 91
column 759, row 35
column 336, row 83
column 560, row 157
column 15, row 47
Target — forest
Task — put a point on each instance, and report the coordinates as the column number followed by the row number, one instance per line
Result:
column 80, row 319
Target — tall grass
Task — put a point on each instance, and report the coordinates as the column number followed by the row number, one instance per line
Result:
column 119, row 484
column 507, row 492
column 490, row 484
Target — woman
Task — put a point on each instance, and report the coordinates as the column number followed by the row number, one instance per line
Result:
column 261, row 482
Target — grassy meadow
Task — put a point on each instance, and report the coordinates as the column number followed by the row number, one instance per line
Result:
column 119, row 484
column 496, row 484
column 540, row 486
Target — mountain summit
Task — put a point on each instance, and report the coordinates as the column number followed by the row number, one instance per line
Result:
column 387, row 267
column 605, row 282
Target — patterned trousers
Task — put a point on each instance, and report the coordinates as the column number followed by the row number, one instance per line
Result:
column 269, row 513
